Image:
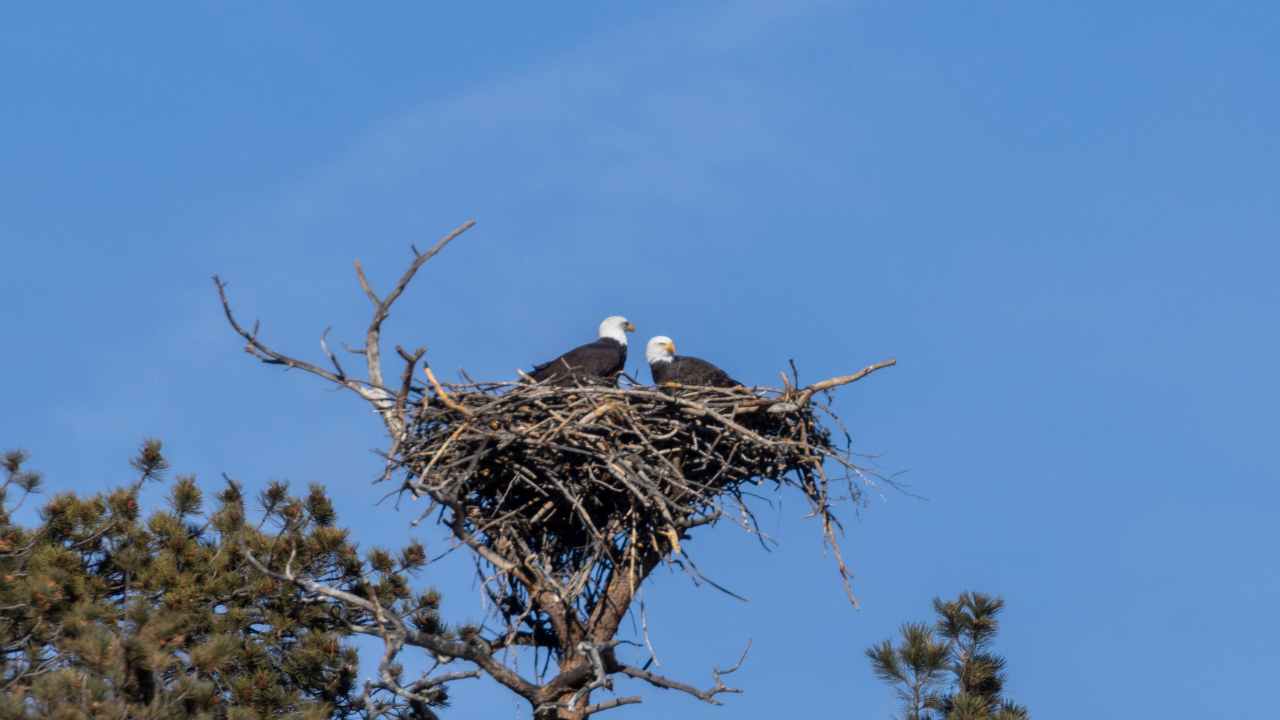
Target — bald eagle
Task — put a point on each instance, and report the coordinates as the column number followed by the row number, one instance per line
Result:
column 596, row 362
column 667, row 367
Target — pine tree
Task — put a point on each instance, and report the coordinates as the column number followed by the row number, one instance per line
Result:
column 917, row 668
column 107, row 613
column 948, row 671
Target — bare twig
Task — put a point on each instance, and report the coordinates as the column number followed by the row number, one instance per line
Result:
column 444, row 396
column 844, row 379
column 708, row 695
column 374, row 389
column 610, row 704
column 372, row 344
column 332, row 358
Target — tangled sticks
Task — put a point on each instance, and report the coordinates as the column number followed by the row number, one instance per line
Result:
column 578, row 482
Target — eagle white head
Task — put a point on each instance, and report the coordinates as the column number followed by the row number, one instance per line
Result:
column 616, row 327
column 660, row 349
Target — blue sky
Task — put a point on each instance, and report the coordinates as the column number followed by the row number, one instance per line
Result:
column 1061, row 218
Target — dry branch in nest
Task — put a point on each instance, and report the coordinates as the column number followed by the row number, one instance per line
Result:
column 579, row 483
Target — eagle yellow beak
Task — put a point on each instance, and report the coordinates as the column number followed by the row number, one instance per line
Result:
column 629, row 327
column 672, row 347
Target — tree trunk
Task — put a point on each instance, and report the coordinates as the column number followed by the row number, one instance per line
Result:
column 575, row 672
column 559, row 712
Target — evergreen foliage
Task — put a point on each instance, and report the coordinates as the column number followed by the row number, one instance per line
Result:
column 105, row 612
column 948, row 671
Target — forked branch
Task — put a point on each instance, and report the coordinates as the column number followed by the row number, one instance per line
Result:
column 844, row 379
column 389, row 404
column 708, row 695
column 381, row 308
column 395, row 633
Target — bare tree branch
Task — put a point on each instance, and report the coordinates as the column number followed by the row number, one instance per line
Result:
column 844, row 379
column 708, row 695
column 332, row 358
column 590, row 710
column 373, row 390
column 259, row 350
column 476, row 652
column 372, row 343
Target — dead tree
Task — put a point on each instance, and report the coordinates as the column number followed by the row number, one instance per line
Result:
column 569, row 497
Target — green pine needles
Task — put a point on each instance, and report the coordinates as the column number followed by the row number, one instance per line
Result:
column 109, row 613
column 947, row 671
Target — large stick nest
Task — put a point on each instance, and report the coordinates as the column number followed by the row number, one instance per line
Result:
column 575, row 481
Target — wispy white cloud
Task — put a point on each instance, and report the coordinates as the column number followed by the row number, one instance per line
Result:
column 572, row 164
column 642, row 108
